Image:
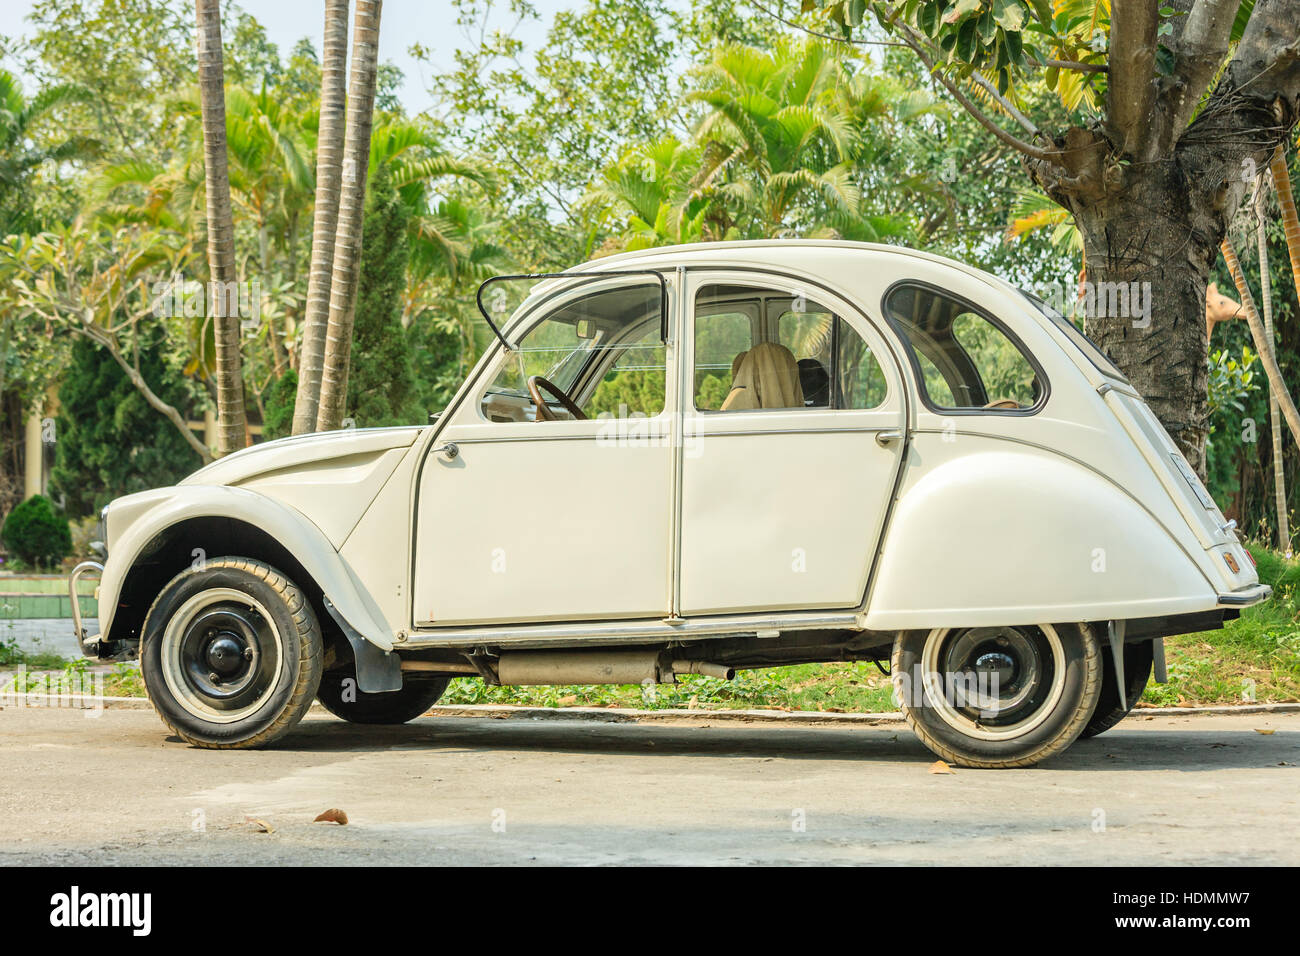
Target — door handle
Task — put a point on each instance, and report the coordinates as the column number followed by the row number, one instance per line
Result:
column 449, row 451
column 889, row 435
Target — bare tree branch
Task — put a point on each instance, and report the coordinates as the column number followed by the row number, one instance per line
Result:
column 1131, row 91
column 1201, row 45
column 911, row 39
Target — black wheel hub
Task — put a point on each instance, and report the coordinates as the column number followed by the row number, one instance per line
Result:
column 1004, row 674
column 228, row 655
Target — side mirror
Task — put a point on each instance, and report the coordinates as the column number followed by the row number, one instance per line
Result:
column 586, row 328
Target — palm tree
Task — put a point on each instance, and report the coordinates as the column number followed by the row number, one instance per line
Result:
column 231, row 425
column 1274, row 418
column 20, row 157
column 347, row 239
column 329, row 171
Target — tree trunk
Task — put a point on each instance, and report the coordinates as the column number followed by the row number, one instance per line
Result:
column 221, row 229
column 329, row 172
column 347, row 241
column 1149, row 250
column 1274, row 416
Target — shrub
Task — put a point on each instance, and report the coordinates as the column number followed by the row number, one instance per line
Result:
column 36, row 532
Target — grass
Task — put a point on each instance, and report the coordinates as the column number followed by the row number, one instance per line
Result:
column 1255, row 658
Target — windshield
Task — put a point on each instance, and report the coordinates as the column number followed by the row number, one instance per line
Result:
column 1076, row 335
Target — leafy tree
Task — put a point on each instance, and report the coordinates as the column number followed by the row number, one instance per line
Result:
column 381, row 385
column 109, row 441
column 1168, row 105
column 278, row 406
column 22, row 157
column 36, row 532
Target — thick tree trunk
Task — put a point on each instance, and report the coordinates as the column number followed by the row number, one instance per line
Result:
column 329, row 174
column 347, row 241
column 1149, row 249
column 221, row 229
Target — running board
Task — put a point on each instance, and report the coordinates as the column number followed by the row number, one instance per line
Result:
column 635, row 632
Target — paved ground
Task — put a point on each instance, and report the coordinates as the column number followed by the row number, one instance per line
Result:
column 116, row 790
column 45, row 635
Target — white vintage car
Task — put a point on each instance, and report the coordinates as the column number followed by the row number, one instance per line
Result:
column 693, row 460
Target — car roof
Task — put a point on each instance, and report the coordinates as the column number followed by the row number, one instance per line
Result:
column 757, row 252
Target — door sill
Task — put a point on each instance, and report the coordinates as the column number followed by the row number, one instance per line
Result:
column 632, row 632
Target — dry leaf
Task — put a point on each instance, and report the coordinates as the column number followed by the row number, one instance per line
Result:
column 333, row 815
column 940, row 767
column 260, row 825
column 1266, row 731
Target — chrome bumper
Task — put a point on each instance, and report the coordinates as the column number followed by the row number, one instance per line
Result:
column 78, row 628
column 1246, row 596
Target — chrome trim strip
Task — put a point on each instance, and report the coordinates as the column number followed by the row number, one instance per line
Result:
column 642, row 632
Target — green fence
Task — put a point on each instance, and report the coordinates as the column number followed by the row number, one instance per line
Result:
column 44, row 596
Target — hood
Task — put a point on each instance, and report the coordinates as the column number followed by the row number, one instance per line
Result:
column 300, row 450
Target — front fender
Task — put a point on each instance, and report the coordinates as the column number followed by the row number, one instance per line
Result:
column 1024, row 536
column 136, row 520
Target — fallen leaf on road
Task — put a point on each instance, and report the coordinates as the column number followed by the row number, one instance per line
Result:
column 940, row 767
column 261, row 826
column 1266, row 731
column 333, row 815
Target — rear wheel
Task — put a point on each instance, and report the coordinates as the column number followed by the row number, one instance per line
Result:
column 339, row 695
column 231, row 654
column 998, row 696
column 1110, row 710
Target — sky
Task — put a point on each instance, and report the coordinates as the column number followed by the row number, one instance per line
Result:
column 431, row 23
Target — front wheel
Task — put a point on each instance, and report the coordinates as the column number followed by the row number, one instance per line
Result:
column 231, row 654
column 998, row 697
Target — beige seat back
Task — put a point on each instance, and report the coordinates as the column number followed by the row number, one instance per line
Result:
column 767, row 376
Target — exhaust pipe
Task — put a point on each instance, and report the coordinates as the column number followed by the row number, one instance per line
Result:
column 634, row 666
column 704, row 668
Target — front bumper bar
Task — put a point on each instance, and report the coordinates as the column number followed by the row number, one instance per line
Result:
column 89, row 645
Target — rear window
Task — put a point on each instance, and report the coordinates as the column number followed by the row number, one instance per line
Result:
column 965, row 360
column 1076, row 335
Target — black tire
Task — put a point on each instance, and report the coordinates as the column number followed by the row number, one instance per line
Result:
column 256, row 636
column 1138, row 659
column 1048, row 681
column 395, row 707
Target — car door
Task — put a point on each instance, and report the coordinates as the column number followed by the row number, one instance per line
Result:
column 783, row 495
column 563, row 520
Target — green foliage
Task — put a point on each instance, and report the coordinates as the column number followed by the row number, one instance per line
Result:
column 627, row 391
column 277, row 403
column 381, row 385
column 108, row 440
column 36, row 532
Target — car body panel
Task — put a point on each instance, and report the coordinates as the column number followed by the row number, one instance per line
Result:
column 973, row 516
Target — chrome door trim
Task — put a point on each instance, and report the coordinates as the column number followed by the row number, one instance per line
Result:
column 565, row 633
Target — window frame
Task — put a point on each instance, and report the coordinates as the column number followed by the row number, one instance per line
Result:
column 546, row 306
column 905, row 340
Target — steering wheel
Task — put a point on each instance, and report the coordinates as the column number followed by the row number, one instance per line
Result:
column 537, row 385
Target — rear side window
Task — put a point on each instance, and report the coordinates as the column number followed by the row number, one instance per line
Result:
column 964, row 360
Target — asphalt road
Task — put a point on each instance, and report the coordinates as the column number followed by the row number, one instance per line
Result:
column 118, row 790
